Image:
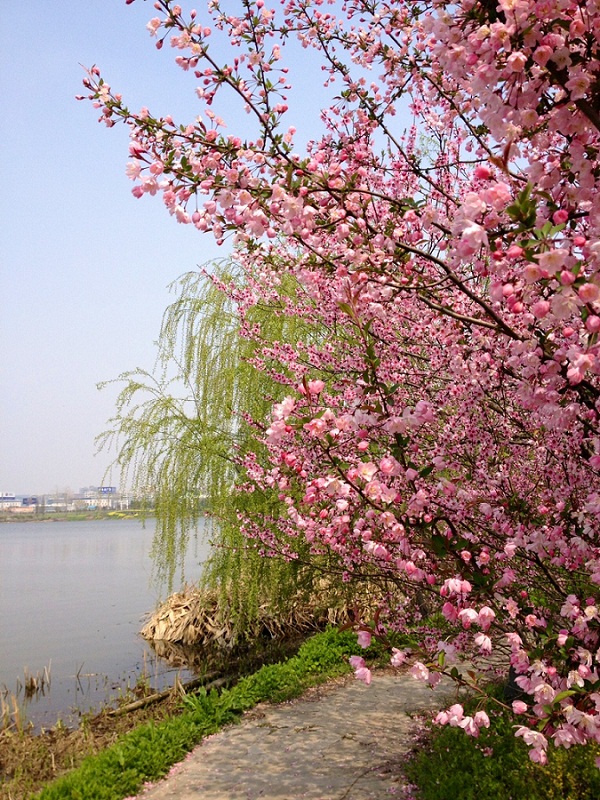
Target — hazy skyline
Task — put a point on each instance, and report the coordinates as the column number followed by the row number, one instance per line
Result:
column 84, row 266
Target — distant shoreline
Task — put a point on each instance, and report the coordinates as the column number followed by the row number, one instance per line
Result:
column 76, row 516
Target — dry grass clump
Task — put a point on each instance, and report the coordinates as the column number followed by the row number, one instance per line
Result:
column 198, row 617
column 10, row 711
column 11, row 702
column 38, row 683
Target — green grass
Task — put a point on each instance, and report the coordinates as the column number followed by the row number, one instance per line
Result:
column 496, row 766
column 148, row 752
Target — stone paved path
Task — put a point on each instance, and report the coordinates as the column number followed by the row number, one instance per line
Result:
column 345, row 741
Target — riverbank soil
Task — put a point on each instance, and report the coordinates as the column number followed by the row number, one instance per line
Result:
column 29, row 761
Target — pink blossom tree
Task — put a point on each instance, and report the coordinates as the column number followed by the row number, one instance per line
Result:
column 439, row 432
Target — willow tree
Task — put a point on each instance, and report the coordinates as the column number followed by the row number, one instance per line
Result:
column 182, row 429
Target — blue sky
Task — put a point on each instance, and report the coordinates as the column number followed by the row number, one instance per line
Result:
column 84, row 267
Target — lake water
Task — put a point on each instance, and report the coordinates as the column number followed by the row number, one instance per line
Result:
column 74, row 595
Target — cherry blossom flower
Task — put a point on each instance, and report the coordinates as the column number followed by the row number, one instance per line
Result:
column 361, row 671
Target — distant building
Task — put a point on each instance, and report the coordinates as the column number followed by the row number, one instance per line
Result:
column 95, row 497
column 8, row 500
column 89, row 498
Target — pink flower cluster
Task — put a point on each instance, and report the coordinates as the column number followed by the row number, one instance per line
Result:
column 455, row 717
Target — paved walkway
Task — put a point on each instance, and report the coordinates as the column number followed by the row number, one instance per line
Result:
column 344, row 741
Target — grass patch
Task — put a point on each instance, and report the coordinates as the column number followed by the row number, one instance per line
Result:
column 148, row 752
column 496, row 766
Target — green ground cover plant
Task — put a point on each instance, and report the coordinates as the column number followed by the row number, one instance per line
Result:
column 496, row 766
column 148, row 752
